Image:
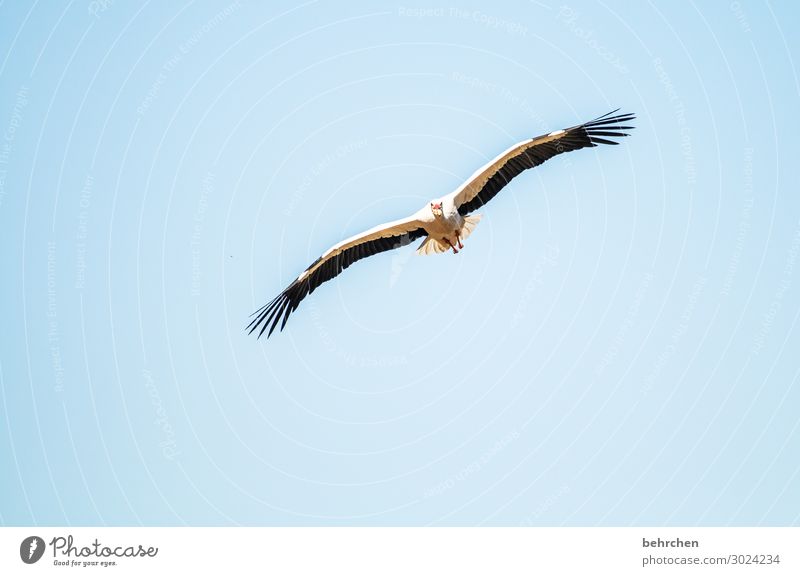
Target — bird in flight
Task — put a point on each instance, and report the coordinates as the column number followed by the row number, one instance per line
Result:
column 446, row 221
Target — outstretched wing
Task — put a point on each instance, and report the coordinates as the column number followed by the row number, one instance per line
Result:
column 379, row 239
column 490, row 179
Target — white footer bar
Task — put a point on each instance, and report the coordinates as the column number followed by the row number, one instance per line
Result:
column 401, row 551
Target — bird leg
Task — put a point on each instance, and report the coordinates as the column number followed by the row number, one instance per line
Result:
column 451, row 245
column 458, row 239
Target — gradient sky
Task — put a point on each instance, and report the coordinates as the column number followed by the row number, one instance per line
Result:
column 612, row 347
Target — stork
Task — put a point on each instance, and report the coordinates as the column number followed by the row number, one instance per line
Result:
column 446, row 222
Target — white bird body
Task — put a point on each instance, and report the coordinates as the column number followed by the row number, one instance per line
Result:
column 446, row 222
column 447, row 230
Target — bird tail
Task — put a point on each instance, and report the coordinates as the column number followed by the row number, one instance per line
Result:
column 432, row 246
column 469, row 225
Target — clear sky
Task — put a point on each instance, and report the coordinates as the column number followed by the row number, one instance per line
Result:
column 614, row 345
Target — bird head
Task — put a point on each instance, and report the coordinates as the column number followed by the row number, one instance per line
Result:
column 436, row 208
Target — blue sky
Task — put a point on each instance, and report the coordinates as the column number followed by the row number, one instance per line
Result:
column 612, row 347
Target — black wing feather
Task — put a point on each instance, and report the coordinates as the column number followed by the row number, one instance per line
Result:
column 586, row 135
column 279, row 309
